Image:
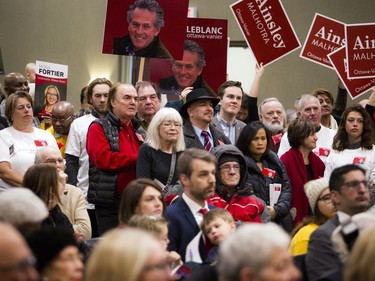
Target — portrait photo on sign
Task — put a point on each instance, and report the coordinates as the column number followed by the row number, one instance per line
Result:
column 204, row 61
column 145, row 28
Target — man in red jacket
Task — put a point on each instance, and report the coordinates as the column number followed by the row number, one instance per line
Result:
column 112, row 145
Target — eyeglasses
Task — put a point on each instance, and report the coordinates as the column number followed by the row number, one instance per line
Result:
column 357, row 184
column 21, row 265
column 171, row 124
column 58, row 161
column 326, row 198
column 61, row 120
column 227, row 168
column 52, row 95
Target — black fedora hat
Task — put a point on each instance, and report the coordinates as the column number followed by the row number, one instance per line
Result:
column 195, row 95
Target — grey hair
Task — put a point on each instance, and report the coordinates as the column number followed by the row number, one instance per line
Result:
column 152, row 6
column 305, row 98
column 19, row 206
column 243, row 249
column 260, row 107
column 40, row 152
column 153, row 135
column 194, row 47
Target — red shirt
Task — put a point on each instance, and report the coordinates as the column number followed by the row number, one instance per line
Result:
column 123, row 162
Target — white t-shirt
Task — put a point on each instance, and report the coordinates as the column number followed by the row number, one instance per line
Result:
column 19, row 148
column 323, row 145
column 76, row 146
column 363, row 157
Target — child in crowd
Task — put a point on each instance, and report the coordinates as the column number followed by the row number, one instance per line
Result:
column 217, row 224
column 158, row 227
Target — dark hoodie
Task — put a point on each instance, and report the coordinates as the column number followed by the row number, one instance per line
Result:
column 243, row 205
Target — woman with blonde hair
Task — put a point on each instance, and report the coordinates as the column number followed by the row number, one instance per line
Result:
column 128, row 255
column 20, row 141
column 157, row 157
column 158, row 227
column 51, row 97
column 360, row 266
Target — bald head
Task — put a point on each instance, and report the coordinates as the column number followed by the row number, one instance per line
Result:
column 123, row 101
column 62, row 117
column 16, row 262
column 14, row 82
column 30, row 72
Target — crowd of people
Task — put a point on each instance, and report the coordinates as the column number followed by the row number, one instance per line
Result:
column 129, row 189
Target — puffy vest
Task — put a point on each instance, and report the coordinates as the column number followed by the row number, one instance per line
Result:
column 103, row 184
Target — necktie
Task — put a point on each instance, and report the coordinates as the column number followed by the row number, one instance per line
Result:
column 207, row 145
column 203, row 211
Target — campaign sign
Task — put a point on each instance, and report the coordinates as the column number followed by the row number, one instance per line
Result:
column 360, row 50
column 49, row 76
column 325, row 36
column 119, row 35
column 211, row 36
column 355, row 87
column 266, row 28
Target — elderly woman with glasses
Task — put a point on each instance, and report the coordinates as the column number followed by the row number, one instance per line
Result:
column 157, row 157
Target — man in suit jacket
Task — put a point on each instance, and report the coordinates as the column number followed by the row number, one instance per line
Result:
column 230, row 94
column 198, row 111
column 350, row 195
column 196, row 168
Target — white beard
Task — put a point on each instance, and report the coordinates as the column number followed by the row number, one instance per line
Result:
column 273, row 128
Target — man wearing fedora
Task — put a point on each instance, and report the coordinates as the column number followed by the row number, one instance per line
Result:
column 198, row 111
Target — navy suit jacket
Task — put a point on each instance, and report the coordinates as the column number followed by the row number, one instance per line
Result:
column 182, row 228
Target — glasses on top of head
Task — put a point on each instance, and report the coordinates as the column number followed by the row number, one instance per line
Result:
column 61, row 120
column 356, row 184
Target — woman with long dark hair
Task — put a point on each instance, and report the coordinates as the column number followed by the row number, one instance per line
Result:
column 353, row 142
column 266, row 172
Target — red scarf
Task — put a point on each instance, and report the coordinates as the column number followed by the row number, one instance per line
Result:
column 296, row 169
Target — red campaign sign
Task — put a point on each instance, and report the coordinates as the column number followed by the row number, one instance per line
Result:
column 360, row 50
column 355, row 87
column 211, row 35
column 325, row 36
column 266, row 28
column 172, row 34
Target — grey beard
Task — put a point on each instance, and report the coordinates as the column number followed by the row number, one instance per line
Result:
column 273, row 128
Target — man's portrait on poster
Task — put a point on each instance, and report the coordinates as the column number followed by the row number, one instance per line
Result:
column 145, row 20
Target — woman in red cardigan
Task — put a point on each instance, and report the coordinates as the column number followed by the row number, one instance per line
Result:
column 301, row 164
